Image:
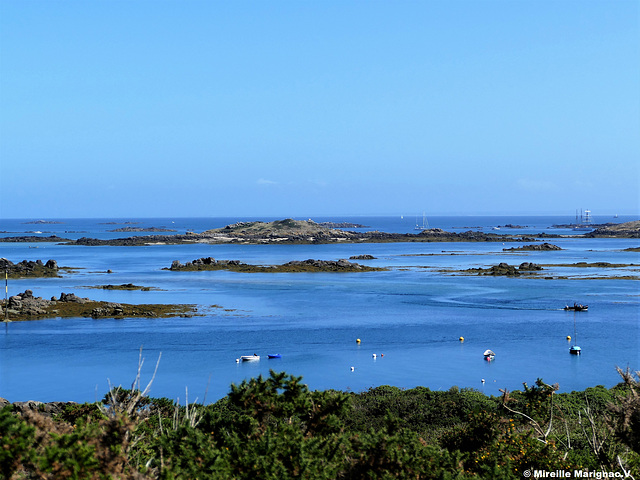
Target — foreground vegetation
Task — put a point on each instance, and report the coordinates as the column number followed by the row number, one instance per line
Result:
column 276, row 428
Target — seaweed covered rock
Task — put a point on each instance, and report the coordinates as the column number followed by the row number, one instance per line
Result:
column 525, row 268
column 29, row 268
column 541, row 247
column 309, row 265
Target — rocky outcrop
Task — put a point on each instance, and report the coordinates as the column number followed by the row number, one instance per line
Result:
column 26, row 306
column 525, row 268
column 108, row 310
column 48, row 409
column 208, row 263
column 362, row 257
column 29, row 268
column 341, row 225
column 341, row 265
column 439, row 235
column 141, row 229
column 310, row 265
column 136, row 241
column 298, row 232
column 33, row 239
column 621, row 230
column 540, row 247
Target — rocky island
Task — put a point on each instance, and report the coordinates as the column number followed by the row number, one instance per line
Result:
column 294, row 266
column 545, row 247
column 298, row 232
column 34, row 239
column 124, row 286
column 621, row 230
column 504, row 269
column 25, row 306
column 29, row 268
column 43, row 222
column 141, row 229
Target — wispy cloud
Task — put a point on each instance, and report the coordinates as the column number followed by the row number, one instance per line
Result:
column 264, row 181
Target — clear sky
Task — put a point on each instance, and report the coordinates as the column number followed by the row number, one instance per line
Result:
column 295, row 108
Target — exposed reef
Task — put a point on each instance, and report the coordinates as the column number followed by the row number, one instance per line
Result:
column 25, row 306
column 34, row 239
column 294, row 266
column 535, row 248
column 504, row 269
column 43, row 222
column 124, row 286
column 298, row 232
column 582, row 225
column 341, row 225
column 592, row 265
column 621, row 230
column 511, row 225
column 29, row 268
column 141, row 229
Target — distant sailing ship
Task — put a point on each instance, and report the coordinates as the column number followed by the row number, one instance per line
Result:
column 425, row 223
column 584, row 223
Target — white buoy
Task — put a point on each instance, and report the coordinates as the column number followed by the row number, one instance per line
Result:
column 352, row 369
column 482, row 380
column 237, row 360
column 374, row 355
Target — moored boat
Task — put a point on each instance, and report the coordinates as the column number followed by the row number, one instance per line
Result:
column 489, row 355
column 274, row 355
column 250, row 358
column 577, row 307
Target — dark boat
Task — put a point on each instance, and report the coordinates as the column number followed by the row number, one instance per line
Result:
column 577, row 307
column 274, row 355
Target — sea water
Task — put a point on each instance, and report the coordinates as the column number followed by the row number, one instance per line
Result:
column 410, row 316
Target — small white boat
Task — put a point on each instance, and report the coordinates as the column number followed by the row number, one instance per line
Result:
column 250, row 358
column 489, row 355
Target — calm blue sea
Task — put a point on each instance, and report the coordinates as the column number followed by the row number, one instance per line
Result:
column 410, row 316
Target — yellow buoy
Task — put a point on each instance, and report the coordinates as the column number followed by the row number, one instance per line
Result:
column 461, row 339
column 568, row 337
column 357, row 340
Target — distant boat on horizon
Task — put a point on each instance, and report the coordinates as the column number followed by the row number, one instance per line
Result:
column 425, row 223
column 583, row 222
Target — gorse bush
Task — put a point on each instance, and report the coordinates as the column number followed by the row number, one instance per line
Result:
column 276, row 428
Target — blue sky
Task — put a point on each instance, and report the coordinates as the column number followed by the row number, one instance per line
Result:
column 295, row 108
